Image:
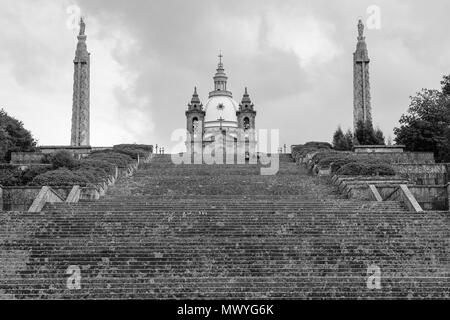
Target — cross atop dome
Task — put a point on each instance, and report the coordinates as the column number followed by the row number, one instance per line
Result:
column 220, row 78
column 220, row 68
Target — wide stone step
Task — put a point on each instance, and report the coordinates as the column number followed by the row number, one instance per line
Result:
column 224, row 208
column 237, row 287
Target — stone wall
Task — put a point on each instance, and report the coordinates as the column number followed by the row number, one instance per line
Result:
column 21, row 198
column 404, row 157
column 27, row 157
column 423, row 174
column 355, row 187
column 379, row 149
column 431, row 197
column 76, row 151
column 18, row 198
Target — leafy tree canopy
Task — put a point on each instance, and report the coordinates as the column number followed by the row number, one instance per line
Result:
column 13, row 137
column 341, row 141
column 426, row 125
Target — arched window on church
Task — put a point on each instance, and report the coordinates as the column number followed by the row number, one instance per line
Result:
column 246, row 123
column 195, row 125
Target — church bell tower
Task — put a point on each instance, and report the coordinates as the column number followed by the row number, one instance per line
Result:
column 195, row 115
column 246, row 115
column 195, row 120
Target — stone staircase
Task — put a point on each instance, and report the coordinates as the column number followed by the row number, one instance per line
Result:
column 210, row 232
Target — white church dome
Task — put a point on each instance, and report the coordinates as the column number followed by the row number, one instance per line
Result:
column 221, row 110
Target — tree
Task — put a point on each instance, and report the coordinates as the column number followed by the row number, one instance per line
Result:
column 349, row 139
column 13, row 137
column 379, row 136
column 446, row 85
column 425, row 127
column 342, row 142
column 338, row 140
column 366, row 135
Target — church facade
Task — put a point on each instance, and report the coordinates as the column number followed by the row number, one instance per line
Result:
column 221, row 125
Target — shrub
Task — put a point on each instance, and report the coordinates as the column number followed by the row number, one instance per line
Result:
column 133, row 150
column 10, row 177
column 318, row 145
column 300, row 151
column 92, row 176
column 99, row 165
column 366, row 169
column 327, row 161
column 63, row 159
column 336, row 165
column 145, row 147
column 115, row 158
column 60, row 177
column 29, row 174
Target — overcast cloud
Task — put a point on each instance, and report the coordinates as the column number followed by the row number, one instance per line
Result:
column 295, row 57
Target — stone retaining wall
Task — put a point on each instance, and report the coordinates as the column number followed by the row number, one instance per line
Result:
column 431, row 197
column 18, row 198
column 404, row 157
column 355, row 187
column 423, row 174
column 27, row 157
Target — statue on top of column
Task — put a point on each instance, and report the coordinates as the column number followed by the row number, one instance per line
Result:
column 82, row 27
column 360, row 29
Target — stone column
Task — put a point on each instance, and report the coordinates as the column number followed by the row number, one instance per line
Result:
column 362, row 109
column 81, row 91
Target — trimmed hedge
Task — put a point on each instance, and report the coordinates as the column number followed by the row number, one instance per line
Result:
column 338, row 164
column 31, row 173
column 133, row 150
column 60, row 177
column 64, row 169
column 325, row 162
column 300, row 151
column 318, row 145
column 118, row 159
column 366, row 169
column 104, row 167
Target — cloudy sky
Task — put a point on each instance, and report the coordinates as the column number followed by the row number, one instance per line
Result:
column 295, row 56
